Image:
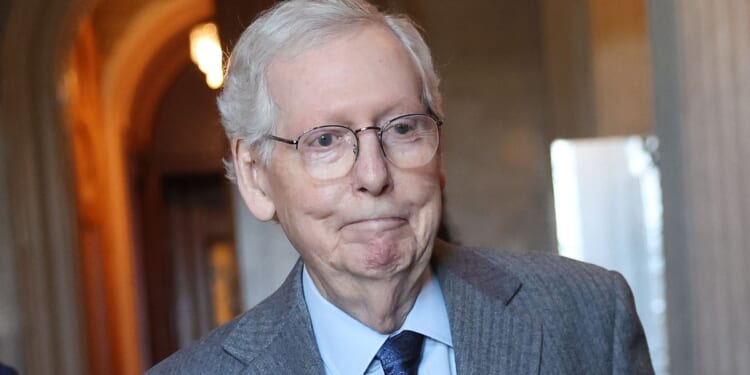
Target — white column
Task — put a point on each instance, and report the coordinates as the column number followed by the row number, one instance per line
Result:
column 701, row 54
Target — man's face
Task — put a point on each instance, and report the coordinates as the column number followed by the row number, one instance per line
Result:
column 378, row 220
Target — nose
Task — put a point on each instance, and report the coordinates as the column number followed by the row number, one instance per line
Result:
column 371, row 173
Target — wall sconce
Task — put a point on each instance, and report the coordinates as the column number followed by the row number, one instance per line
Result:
column 205, row 51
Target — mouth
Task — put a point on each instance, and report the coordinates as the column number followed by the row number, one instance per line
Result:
column 377, row 223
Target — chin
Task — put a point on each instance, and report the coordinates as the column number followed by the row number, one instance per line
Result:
column 381, row 258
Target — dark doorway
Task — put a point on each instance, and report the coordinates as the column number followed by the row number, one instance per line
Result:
column 200, row 239
column 184, row 218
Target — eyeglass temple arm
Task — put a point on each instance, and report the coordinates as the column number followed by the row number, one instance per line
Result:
column 279, row 139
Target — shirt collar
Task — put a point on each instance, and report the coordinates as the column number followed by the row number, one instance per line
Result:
column 429, row 315
column 348, row 346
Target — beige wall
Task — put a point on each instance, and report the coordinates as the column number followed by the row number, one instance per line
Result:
column 598, row 68
column 490, row 56
column 620, row 67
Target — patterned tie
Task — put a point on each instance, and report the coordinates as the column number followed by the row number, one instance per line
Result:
column 400, row 354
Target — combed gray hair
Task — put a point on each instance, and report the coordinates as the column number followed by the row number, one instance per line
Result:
column 291, row 28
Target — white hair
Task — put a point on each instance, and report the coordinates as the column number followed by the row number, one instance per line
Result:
column 293, row 27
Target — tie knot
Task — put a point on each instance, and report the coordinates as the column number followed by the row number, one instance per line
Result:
column 401, row 353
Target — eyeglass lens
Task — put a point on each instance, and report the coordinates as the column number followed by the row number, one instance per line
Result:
column 330, row 151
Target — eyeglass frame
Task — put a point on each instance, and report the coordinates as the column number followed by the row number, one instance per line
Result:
column 379, row 132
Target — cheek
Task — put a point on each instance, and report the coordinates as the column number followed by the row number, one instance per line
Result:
column 424, row 192
column 433, row 203
column 303, row 200
column 428, row 181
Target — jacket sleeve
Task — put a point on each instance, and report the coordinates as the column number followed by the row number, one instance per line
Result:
column 630, row 350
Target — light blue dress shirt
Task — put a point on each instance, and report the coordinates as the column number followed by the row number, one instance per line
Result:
column 348, row 347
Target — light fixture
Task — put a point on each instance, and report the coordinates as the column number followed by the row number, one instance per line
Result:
column 205, row 51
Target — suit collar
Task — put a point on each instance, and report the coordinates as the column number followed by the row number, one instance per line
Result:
column 455, row 266
column 491, row 334
column 266, row 335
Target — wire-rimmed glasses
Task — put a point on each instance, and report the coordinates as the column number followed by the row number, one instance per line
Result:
column 330, row 151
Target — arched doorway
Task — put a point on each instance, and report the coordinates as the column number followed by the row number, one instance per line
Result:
column 124, row 59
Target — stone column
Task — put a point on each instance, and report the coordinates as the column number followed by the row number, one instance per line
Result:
column 701, row 57
column 38, row 221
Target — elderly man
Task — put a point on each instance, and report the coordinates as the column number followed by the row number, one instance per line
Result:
column 334, row 116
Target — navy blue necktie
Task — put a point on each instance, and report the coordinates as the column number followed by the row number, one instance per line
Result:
column 400, row 354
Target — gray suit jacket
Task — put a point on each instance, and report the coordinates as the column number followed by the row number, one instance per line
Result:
column 509, row 313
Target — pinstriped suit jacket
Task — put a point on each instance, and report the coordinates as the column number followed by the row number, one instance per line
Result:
column 510, row 314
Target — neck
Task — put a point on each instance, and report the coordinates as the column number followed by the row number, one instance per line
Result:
column 379, row 304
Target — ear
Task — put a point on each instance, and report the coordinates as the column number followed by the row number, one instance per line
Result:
column 251, row 181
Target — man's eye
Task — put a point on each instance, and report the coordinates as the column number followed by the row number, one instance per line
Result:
column 324, row 140
column 403, row 128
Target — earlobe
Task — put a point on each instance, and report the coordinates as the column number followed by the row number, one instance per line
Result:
column 252, row 182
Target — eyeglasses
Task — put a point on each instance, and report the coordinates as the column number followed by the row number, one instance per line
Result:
column 330, row 151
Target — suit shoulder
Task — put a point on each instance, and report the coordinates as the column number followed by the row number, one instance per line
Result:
column 207, row 355
column 203, row 356
column 585, row 310
column 551, row 276
column 217, row 353
column 543, row 266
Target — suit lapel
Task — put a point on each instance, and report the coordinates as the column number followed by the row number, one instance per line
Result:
column 276, row 337
column 491, row 335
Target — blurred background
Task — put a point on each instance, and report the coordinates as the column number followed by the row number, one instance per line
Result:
column 610, row 131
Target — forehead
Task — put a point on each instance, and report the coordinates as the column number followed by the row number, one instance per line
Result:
column 357, row 76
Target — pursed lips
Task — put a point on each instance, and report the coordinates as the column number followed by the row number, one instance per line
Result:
column 380, row 223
